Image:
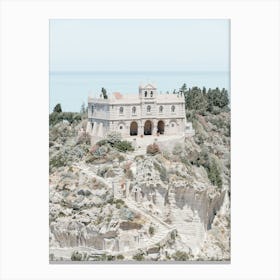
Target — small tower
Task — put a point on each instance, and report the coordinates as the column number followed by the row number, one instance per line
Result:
column 148, row 92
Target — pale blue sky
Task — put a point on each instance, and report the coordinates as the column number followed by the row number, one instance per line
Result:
column 139, row 45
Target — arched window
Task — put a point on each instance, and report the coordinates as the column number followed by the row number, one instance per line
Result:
column 92, row 109
column 148, row 108
column 121, row 110
column 133, row 110
column 151, row 93
column 146, row 93
column 172, row 108
column 160, row 109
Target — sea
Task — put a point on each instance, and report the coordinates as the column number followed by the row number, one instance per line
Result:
column 71, row 89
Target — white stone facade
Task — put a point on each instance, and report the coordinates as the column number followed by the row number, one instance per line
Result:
column 146, row 113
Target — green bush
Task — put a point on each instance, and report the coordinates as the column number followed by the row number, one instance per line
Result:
column 151, row 230
column 113, row 137
column 178, row 149
column 173, row 234
column 123, row 146
column 102, row 142
column 119, row 201
column 139, row 256
column 120, row 257
column 57, row 117
column 76, row 256
column 110, row 258
column 57, row 161
column 214, row 174
column 180, row 256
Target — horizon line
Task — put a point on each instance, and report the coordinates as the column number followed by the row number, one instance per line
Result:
column 137, row 71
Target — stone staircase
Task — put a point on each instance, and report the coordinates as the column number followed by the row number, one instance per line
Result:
column 89, row 171
column 162, row 229
column 162, row 232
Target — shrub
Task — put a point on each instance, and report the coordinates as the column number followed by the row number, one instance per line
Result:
column 173, row 234
column 110, row 258
column 113, row 138
column 76, row 256
column 102, row 142
column 111, row 200
column 178, row 149
column 57, row 117
column 120, row 257
column 214, row 174
column 100, row 152
column 153, row 149
column 123, row 146
column 120, row 157
column 180, row 256
column 151, row 230
column 139, row 256
column 57, row 161
column 119, row 201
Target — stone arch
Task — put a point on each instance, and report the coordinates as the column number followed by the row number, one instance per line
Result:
column 133, row 128
column 148, row 128
column 160, row 127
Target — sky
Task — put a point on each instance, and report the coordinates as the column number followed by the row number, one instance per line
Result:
column 139, row 45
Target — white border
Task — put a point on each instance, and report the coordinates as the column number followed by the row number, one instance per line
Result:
column 255, row 137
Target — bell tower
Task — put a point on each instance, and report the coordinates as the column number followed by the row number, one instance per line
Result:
column 147, row 92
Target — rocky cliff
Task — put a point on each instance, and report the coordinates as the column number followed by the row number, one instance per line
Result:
column 112, row 205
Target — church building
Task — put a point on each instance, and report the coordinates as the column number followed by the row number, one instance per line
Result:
column 142, row 114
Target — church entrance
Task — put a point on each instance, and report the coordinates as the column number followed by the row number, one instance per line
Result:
column 133, row 128
column 160, row 127
column 148, row 128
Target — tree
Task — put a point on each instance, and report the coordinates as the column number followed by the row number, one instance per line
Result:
column 183, row 88
column 195, row 100
column 217, row 98
column 204, row 91
column 104, row 93
column 57, row 108
column 83, row 108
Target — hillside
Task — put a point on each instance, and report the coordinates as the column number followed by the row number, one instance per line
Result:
column 184, row 209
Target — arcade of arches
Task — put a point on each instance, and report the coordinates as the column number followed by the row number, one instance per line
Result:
column 148, row 128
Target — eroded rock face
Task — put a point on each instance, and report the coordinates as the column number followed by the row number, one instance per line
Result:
column 206, row 203
column 171, row 192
